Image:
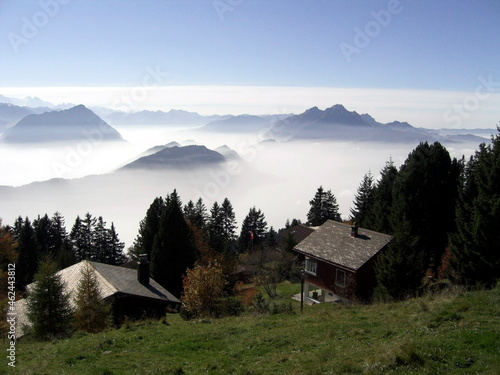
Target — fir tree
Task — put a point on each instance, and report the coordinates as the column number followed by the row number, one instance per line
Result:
column 214, row 228
column 92, row 313
column 253, row 230
column 151, row 225
column 28, row 255
column 424, row 194
column 323, row 207
column 378, row 214
column 363, row 200
column 174, row 250
column 117, row 255
column 48, row 308
column 474, row 244
column 400, row 268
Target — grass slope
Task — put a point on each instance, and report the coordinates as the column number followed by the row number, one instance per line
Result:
column 454, row 333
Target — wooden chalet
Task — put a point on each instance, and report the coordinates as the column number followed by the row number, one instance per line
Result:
column 339, row 262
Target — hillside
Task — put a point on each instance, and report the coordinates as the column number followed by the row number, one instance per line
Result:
column 453, row 333
column 74, row 124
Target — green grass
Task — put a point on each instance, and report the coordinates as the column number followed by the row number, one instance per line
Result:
column 455, row 333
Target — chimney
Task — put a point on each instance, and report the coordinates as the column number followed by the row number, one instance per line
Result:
column 143, row 270
column 354, row 230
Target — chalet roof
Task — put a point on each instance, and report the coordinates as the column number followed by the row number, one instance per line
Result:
column 112, row 280
column 333, row 243
column 115, row 279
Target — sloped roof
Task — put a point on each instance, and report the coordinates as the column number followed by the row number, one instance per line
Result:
column 332, row 242
column 115, row 279
column 112, row 280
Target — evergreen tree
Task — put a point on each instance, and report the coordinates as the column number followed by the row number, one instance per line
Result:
column 379, row 212
column 424, row 194
column 200, row 214
column 474, row 244
column 323, row 207
column 92, row 313
column 228, row 223
column 101, row 242
column 363, row 200
column 215, row 228
column 117, row 255
column 28, row 255
column 48, row 308
column 82, row 238
column 400, row 268
column 60, row 242
column 253, row 230
column 174, row 250
column 151, row 226
column 43, row 228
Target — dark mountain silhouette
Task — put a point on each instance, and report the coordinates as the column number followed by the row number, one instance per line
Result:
column 178, row 158
column 74, row 124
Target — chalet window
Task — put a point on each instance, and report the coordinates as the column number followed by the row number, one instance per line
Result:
column 340, row 277
column 311, row 266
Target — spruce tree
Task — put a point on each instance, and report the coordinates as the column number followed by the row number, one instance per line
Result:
column 117, row 255
column 214, row 228
column 378, row 214
column 48, row 308
column 92, row 313
column 174, row 250
column 400, row 268
column 363, row 200
column 323, row 207
column 253, row 230
column 151, row 226
column 474, row 244
column 424, row 194
column 28, row 255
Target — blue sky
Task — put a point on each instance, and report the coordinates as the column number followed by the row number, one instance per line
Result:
column 413, row 47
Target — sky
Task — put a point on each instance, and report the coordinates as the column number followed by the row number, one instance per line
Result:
column 433, row 64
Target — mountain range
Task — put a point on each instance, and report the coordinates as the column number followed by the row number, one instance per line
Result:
column 74, row 124
column 334, row 123
column 174, row 116
column 338, row 124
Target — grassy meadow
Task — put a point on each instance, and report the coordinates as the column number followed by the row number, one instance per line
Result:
column 450, row 333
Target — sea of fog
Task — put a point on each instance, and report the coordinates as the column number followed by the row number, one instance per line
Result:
column 278, row 177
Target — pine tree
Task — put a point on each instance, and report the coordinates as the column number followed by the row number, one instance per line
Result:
column 474, row 244
column 92, row 313
column 151, row 226
column 28, row 255
column 117, row 255
column 100, row 242
column 48, row 308
column 363, row 200
column 424, row 193
column 174, row 250
column 400, row 268
column 379, row 212
column 214, row 228
column 253, row 230
column 323, row 207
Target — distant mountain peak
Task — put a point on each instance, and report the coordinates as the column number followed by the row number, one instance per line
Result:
column 178, row 157
column 73, row 124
